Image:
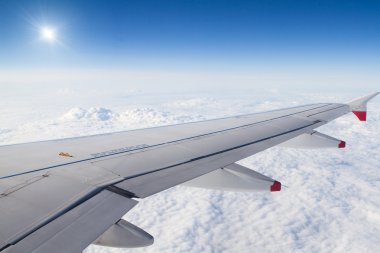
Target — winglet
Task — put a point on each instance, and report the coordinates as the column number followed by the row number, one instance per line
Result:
column 359, row 106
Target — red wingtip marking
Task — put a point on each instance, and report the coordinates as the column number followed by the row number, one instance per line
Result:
column 275, row 187
column 342, row 144
column 362, row 115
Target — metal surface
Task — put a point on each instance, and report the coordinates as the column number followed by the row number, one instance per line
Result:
column 77, row 228
column 312, row 141
column 124, row 234
column 233, row 177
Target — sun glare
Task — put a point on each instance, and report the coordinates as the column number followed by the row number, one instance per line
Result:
column 48, row 34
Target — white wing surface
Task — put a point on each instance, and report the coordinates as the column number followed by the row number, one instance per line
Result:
column 62, row 195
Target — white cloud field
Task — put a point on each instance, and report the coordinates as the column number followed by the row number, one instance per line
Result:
column 331, row 202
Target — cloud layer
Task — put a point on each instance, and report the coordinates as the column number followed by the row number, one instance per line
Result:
column 331, row 202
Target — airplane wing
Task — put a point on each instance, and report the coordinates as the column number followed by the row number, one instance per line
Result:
column 62, row 195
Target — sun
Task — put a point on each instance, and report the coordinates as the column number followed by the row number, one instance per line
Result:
column 48, row 34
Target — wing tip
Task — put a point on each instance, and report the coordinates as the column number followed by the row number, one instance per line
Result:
column 359, row 106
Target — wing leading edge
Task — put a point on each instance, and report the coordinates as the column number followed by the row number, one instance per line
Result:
column 104, row 174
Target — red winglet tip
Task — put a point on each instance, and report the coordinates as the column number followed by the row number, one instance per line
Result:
column 342, row 144
column 362, row 115
column 275, row 187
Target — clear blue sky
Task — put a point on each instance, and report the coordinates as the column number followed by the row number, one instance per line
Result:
column 262, row 37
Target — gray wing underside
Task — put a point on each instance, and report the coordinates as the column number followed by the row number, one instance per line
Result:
column 49, row 199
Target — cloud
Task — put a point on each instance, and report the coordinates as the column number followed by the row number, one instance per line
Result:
column 77, row 113
column 331, row 202
column 263, row 79
column 193, row 103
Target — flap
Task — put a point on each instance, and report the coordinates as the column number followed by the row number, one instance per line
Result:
column 77, row 228
column 32, row 200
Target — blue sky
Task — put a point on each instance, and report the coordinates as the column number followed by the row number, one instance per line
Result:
column 299, row 41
